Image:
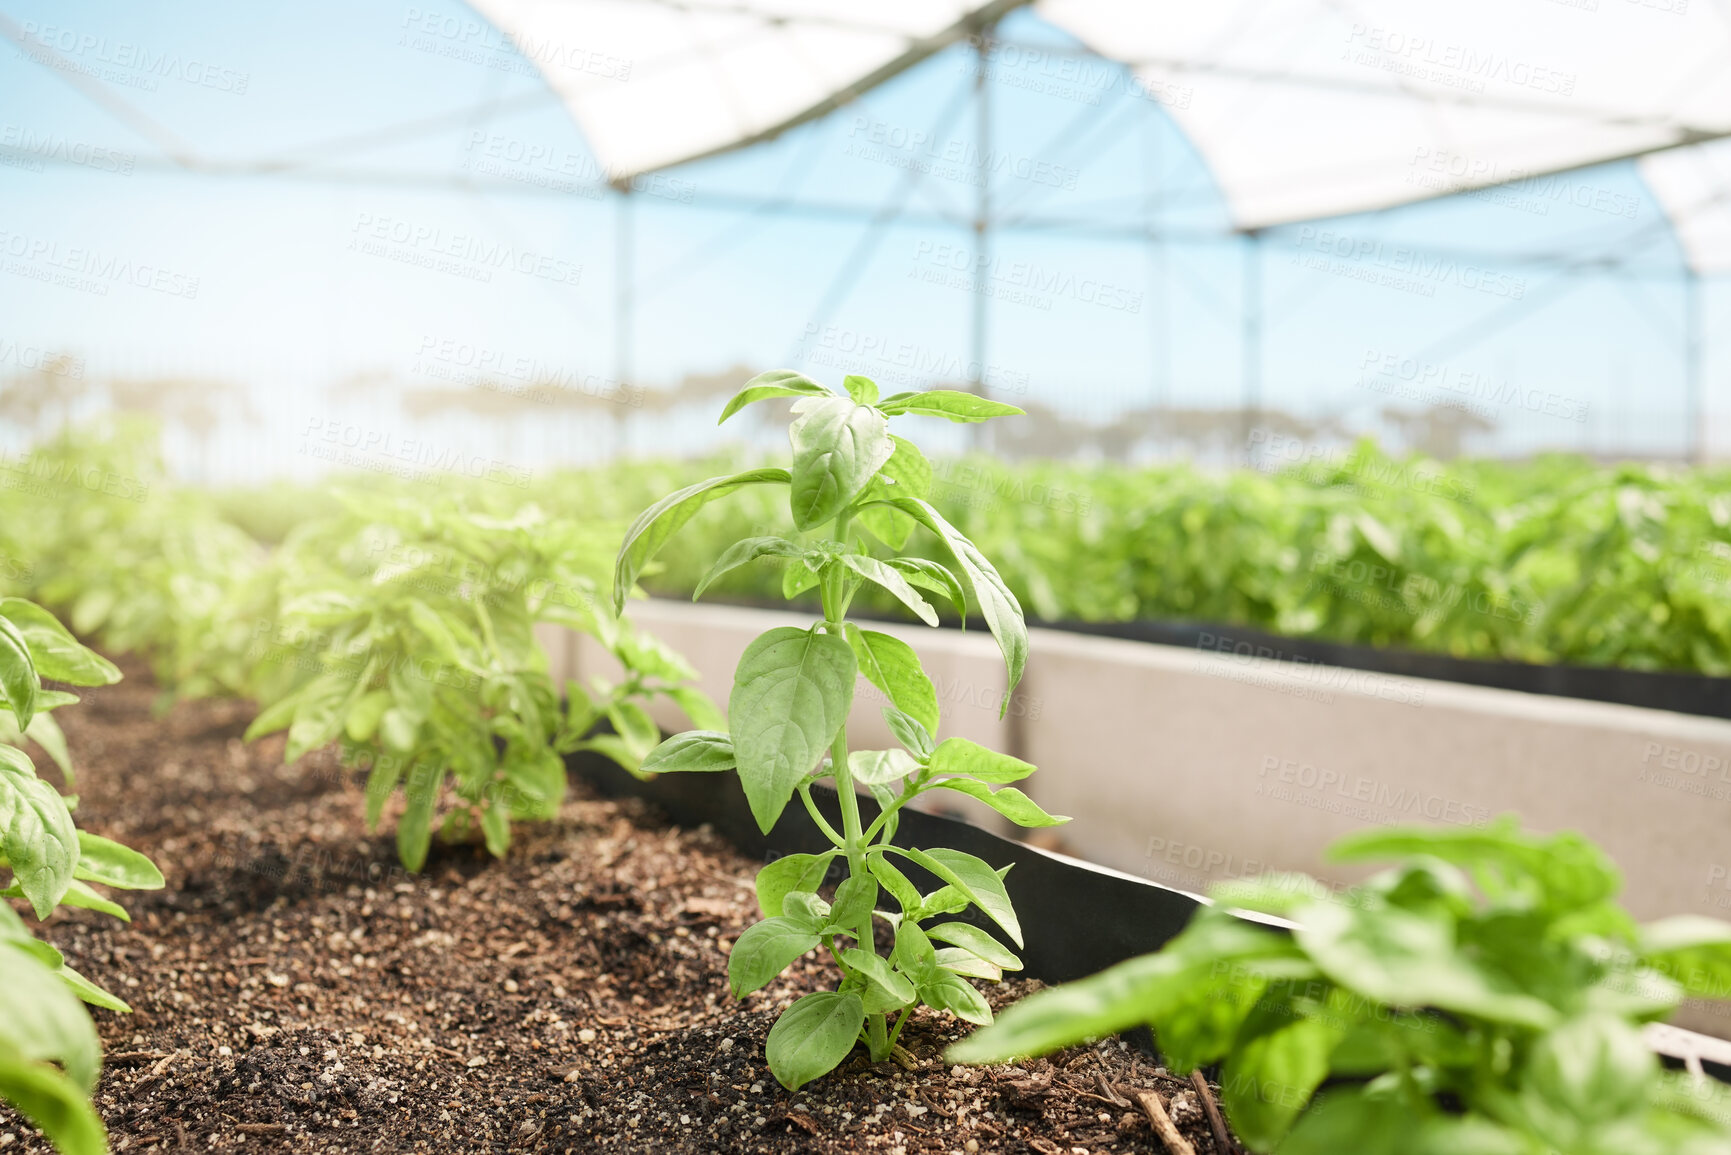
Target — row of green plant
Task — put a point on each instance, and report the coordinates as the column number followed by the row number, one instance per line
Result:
column 49, row 1052
column 398, row 626
column 1552, row 560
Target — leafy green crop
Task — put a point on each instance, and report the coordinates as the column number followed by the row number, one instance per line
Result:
column 406, row 633
column 853, row 481
column 1483, row 996
column 49, row 1054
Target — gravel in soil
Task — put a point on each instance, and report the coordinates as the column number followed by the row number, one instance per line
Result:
column 294, row 990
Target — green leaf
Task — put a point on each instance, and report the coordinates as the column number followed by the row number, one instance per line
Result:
column 947, row 991
column 44, row 731
column 855, row 899
column 906, row 474
column 415, row 827
column 381, row 780
column 791, row 695
column 797, row 578
column 1350, row 1120
column 81, row 895
column 805, row 909
column 1006, row 800
column 930, row 575
column 891, row 665
column 18, row 679
column 400, row 728
column 108, row 862
column 947, row 403
column 880, row 767
column 1404, row 959
column 1003, row 613
column 318, row 714
column 276, row 716
column 496, row 828
column 893, row 880
column 913, row 951
column 775, row 383
column 89, row 992
column 363, row 717
column 813, row 1036
column 54, row 1104
column 1215, row 950
column 896, row 988
column 655, row 525
column 744, row 553
column 54, row 651
column 1589, row 1070
column 763, row 951
column 977, row 942
column 1693, row 951
column 909, row 732
column 39, row 840
column 635, row 727
column 41, row 1020
column 892, row 580
column 838, row 447
column 863, row 390
column 968, row 964
column 960, row 756
column 704, row 713
column 789, row 873
column 1564, row 872
column 974, row 878
column 1268, row 1079
column 700, row 751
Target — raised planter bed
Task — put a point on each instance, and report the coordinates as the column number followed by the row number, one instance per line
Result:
column 1187, row 766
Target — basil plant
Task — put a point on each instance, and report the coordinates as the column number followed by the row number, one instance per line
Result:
column 857, row 494
column 50, row 1055
column 1484, row 995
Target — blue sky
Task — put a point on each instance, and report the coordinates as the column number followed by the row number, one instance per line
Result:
column 293, row 284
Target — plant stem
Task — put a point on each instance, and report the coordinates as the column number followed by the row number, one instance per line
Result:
column 835, row 604
column 817, row 817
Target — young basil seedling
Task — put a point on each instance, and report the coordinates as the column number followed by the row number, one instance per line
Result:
column 1485, row 995
column 852, row 481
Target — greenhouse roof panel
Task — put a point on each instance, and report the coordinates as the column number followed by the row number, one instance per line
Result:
column 1302, row 110
column 654, row 83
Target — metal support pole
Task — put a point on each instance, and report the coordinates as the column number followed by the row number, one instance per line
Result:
column 1694, row 368
column 1251, row 353
column 982, row 234
column 1159, row 308
column 624, row 309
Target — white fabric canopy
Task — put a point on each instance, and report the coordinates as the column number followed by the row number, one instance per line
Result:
column 653, row 83
column 1694, row 186
column 1301, row 108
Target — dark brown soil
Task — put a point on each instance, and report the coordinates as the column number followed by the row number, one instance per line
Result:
column 294, row 991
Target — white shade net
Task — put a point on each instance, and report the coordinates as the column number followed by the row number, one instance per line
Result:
column 1301, row 109
column 653, row 83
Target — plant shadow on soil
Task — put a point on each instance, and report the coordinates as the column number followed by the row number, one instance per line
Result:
column 294, row 990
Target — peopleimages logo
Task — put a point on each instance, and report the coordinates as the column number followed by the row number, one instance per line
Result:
column 1352, row 254
column 68, row 49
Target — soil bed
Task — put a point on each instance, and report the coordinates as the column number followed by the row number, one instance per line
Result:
column 294, row 990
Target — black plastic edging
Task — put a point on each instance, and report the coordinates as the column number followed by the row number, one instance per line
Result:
column 1076, row 919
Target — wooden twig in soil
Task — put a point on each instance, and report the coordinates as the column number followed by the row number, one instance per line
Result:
column 1164, row 1127
column 1222, row 1140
